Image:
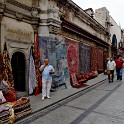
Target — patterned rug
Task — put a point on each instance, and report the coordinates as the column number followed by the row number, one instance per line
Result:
column 100, row 60
column 55, row 51
column 73, row 56
column 84, row 58
column 94, row 59
column 105, row 56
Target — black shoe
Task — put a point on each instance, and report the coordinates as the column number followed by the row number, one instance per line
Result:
column 109, row 81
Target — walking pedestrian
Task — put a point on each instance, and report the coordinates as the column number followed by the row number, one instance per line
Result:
column 47, row 70
column 111, row 65
column 119, row 65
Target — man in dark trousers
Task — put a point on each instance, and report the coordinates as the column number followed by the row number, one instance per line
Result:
column 119, row 65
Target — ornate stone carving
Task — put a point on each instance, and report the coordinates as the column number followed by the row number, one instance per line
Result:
column 20, row 5
column 35, row 11
column 54, row 29
column 53, row 11
column 19, row 16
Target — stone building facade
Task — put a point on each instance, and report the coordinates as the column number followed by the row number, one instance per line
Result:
column 103, row 17
column 18, row 25
column 69, row 36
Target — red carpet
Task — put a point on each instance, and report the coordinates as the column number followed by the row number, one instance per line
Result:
column 79, row 85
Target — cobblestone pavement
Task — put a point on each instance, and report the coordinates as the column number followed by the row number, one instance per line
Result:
column 102, row 104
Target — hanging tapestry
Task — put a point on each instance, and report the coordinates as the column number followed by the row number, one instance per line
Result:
column 55, row 51
column 84, row 58
column 94, row 59
column 7, row 69
column 1, row 64
column 100, row 60
column 72, row 56
column 32, row 73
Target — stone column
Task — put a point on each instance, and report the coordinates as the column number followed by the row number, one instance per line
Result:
column 43, row 27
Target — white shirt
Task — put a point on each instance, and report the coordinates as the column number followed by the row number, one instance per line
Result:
column 111, row 65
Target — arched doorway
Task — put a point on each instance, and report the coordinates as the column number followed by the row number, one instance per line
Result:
column 114, row 46
column 18, row 67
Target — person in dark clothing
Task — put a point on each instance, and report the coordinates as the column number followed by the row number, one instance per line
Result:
column 119, row 65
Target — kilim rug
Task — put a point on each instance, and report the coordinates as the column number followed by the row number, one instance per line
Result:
column 73, row 56
column 100, row 60
column 94, row 59
column 84, row 58
column 55, row 51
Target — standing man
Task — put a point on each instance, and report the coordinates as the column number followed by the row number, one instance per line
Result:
column 119, row 65
column 111, row 65
column 47, row 71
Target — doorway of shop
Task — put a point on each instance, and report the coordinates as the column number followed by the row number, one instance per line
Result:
column 18, row 68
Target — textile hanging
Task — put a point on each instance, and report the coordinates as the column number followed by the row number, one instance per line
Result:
column 94, row 59
column 32, row 73
column 105, row 56
column 100, row 60
column 37, row 65
column 55, row 51
column 84, row 58
column 72, row 56
column 7, row 69
column 1, row 64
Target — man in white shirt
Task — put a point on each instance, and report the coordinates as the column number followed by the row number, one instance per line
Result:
column 111, row 65
column 47, row 71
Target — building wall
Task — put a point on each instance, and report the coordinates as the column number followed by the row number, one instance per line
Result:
column 18, row 24
column 115, row 29
column 25, row 2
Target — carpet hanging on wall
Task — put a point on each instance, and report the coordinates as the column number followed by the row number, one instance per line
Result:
column 7, row 69
column 55, row 51
column 72, row 56
column 37, row 65
column 100, row 60
column 84, row 58
column 94, row 59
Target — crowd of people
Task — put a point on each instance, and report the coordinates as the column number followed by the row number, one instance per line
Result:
column 115, row 64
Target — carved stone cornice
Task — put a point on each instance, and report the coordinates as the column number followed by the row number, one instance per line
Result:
column 20, row 5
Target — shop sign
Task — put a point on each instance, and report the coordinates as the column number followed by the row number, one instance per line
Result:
column 18, row 35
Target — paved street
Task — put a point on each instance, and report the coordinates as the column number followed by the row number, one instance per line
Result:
column 102, row 105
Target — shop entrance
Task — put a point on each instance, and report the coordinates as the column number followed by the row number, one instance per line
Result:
column 18, row 67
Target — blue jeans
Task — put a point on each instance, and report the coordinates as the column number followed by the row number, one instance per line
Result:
column 119, row 73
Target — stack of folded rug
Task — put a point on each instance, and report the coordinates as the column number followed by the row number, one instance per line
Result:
column 21, row 107
column 4, row 115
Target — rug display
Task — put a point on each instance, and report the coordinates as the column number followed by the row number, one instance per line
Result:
column 100, row 60
column 10, row 95
column 72, row 56
column 55, row 51
column 94, row 59
column 77, row 83
column 4, row 115
column 105, row 56
column 1, row 64
column 36, row 55
column 84, row 58
column 7, row 69
column 21, row 107
column 32, row 73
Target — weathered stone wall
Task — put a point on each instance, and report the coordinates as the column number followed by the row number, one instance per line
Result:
column 25, row 2
column 79, row 17
column 115, row 29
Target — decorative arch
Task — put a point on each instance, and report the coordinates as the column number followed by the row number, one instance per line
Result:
column 18, row 62
column 114, row 41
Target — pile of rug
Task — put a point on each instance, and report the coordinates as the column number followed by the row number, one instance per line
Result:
column 21, row 107
column 4, row 115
